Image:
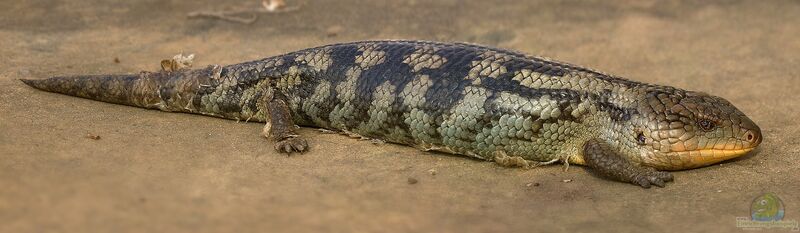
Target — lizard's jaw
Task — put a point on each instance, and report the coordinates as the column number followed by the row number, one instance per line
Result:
column 680, row 160
column 683, row 155
column 699, row 158
column 687, row 159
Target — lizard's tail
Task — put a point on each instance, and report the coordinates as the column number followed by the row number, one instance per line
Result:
column 168, row 91
column 119, row 89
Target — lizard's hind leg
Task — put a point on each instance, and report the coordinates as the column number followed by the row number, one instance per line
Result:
column 281, row 129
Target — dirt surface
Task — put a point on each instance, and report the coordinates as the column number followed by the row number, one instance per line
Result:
column 151, row 171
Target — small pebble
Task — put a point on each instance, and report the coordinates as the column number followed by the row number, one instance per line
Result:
column 333, row 31
column 719, row 190
column 412, row 180
column 432, row 172
column 116, row 60
column 93, row 137
column 567, row 180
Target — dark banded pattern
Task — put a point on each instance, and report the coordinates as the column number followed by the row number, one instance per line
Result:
column 458, row 98
column 440, row 96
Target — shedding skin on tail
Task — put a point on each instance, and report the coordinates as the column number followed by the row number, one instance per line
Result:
column 167, row 91
column 176, row 91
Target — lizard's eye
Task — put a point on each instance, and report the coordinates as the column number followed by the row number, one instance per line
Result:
column 640, row 138
column 706, row 125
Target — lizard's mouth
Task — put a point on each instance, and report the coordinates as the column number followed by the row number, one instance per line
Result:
column 679, row 160
column 698, row 158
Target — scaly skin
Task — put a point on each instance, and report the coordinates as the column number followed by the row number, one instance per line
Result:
column 458, row 98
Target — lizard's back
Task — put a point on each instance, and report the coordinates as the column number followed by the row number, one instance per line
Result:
column 457, row 98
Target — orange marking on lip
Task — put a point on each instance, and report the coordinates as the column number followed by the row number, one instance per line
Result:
column 710, row 156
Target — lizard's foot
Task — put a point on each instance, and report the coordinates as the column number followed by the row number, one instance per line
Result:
column 647, row 176
column 326, row 131
column 606, row 162
column 292, row 144
column 377, row 141
column 501, row 158
column 281, row 128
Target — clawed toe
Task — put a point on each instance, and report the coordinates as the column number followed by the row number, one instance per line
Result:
column 652, row 177
column 291, row 145
column 665, row 176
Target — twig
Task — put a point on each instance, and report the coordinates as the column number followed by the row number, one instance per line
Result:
column 224, row 15
column 268, row 6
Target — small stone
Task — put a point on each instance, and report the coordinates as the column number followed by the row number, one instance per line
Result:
column 334, row 31
column 566, row 180
column 93, row 137
column 116, row 60
column 719, row 190
column 432, row 172
column 412, row 180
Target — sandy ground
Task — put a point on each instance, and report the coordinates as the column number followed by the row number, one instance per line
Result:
column 168, row 172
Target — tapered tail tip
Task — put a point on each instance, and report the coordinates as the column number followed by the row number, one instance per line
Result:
column 36, row 83
column 30, row 82
column 128, row 89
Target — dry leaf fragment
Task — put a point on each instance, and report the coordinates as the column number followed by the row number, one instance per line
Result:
column 178, row 62
column 273, row 5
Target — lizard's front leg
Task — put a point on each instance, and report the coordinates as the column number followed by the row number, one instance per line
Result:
column 281, row 128
column 605, row 162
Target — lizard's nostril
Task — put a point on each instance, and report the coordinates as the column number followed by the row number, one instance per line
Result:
column 752, row 137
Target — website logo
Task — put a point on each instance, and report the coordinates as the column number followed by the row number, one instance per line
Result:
column 766, row 211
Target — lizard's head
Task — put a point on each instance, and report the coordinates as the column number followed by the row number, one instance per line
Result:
column 677, row 129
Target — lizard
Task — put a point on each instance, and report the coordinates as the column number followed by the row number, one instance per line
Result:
column 478, row 101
